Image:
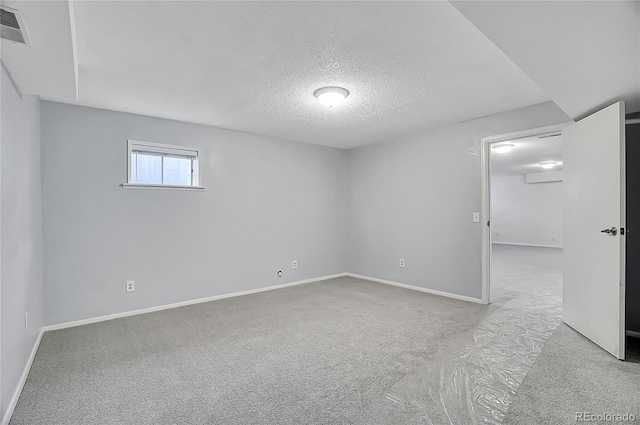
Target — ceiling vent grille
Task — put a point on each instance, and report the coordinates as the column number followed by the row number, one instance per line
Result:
column 548, row 136
column 12, row 26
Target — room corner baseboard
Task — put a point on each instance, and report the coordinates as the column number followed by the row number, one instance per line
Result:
column 25, row 373
column 23, row 379
column 185, row 303
column 417, row 288
column 527, row 244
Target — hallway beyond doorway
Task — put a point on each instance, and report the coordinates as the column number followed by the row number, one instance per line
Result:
column 520, row 269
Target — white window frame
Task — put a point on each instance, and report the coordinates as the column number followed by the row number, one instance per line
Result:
column 163, row 149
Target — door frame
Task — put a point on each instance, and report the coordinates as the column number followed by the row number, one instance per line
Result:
column 485, row 182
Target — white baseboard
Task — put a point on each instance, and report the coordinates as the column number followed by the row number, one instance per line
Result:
column 25, row 372
column 27, row 368
column 417, row 288
column 23, row 380
column 527, row 244
column 184, row 303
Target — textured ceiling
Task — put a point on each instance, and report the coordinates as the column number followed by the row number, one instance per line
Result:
column 253, row 66
column 584, row 54
column 526, row 156
column 48, row 67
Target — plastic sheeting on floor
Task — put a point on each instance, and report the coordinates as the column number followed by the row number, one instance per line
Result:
column 476, row 384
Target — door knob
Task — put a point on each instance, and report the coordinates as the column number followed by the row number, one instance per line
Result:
column 613, row 231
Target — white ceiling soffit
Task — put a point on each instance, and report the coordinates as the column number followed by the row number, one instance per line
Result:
column 584, row 54
column 48, row 67
column 253, row 66
column 526, row 155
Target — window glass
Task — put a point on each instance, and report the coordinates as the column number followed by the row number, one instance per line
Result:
column 176, row 171
column 146, row 169
column 156, row 165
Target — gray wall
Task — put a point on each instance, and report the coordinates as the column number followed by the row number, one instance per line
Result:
column 267, row 202
column 413, row 198
column 20, row 233
column 526, row 213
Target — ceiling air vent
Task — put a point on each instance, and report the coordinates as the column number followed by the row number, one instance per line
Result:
column 12, row 26
column 548, row 136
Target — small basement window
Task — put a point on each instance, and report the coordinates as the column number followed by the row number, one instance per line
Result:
column 154, row 165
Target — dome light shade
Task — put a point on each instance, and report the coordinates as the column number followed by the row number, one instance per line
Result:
column 548, row 164
column 504, row 148
column 331, row 96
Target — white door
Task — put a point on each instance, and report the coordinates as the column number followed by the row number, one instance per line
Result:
column 594, row 222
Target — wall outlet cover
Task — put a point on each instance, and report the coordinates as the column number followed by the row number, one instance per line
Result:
column 131, row 286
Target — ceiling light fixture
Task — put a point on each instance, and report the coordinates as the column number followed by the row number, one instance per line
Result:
column 503, row 148
column 548, row 164
column 331, row 96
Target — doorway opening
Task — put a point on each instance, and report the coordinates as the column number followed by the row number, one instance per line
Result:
column 595, row 231
column 522, row 210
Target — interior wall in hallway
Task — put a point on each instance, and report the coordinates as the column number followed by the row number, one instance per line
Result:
column 526, row 213
column 632, row 275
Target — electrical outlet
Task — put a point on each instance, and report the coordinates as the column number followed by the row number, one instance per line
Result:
column 131, row 285
column 26, row 321
column 476, row 217
column 294, row 264
column 402, row 262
